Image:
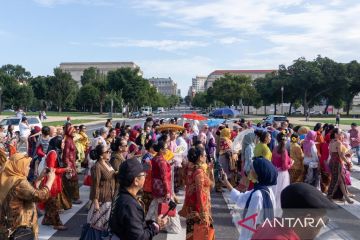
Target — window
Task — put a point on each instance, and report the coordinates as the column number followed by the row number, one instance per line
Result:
column 33, row 121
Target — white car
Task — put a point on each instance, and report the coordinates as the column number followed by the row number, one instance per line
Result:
column 15, row 121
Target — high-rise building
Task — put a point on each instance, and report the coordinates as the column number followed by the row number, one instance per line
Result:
column 76, row 69
column 198, row 83
column 165, row 86
column 253, row 74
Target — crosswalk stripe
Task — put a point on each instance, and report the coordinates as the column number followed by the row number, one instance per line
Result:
column 45, row 232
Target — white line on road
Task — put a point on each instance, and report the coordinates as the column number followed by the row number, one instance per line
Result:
column 45, row 232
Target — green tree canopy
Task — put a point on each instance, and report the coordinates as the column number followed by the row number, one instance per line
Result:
column 63, row 89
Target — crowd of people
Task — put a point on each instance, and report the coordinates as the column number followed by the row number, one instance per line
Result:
column 136, row 172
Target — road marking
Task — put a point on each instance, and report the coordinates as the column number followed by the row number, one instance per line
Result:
column 46, row 232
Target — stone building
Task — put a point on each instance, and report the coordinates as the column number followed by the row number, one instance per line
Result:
column 165, row 86
column 76, row 69
column 198, row 83
column 253, row 74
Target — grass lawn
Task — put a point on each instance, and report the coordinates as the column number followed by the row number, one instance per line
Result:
column 342, row 121
column 74, row 122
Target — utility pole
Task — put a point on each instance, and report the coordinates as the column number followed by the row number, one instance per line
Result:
column 282, row 100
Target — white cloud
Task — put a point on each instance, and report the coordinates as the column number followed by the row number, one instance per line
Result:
column 164, row 45
column 287, row 29
column 52, row 3
column 230, row 40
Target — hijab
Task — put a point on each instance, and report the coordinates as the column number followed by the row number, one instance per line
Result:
column 133, row 135
column 15, row 169
column 69, row 131
column 225, row 133
column 309, row 142
column 266, row 176
column 248, row 140
column 3, row 160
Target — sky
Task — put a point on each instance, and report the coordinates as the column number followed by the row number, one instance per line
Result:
column 177, row 39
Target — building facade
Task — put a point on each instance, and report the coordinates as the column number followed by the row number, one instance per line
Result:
column 253, row 74
column 76, row 69
column 165, row 86
column 198, row 83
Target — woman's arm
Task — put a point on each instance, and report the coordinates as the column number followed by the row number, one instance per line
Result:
column 341, row 153
column 96, row 176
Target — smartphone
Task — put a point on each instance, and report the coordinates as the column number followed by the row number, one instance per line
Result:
column 47, row 170
column 220, row 173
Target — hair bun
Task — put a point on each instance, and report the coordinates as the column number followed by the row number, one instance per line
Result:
column 93, row 154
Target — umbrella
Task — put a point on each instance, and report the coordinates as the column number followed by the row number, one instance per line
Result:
column 194, row 116
column 214, row 122
column 170, row 127
column 237, row 143
column 225, row 112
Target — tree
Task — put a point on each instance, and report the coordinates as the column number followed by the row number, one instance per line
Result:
column 173, row 100
column 63, row 89
column 353, row 86
column 40, row 89
column 16, row 71
column 100, row 82
column 307, row 78
column 135, row 89
column 188, row 100
column 334, row 75
column 200, row 100
column 230, row 89
column 89, row 75
column 88, row 96
column 9, row 86
column 24, row 96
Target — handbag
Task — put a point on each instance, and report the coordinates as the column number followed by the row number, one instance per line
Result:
column 203, row 232
column 23, row 233
column 20, row 233
column 163, row 208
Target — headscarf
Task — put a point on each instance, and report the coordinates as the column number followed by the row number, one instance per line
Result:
column 133, row 135
column 248, row 140
column 69, row 131
column 3, row 160
column 309, row 142
column 303, row 130
column 225, row 133
column 266, row 176
column 15, row 169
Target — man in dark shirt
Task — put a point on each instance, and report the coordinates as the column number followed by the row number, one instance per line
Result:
column 127, row 220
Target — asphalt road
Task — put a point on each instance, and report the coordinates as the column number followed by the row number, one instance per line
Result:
column 344, row 222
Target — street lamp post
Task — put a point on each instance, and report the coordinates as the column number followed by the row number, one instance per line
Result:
column 282, row 99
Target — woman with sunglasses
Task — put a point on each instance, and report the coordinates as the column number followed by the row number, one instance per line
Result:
column 101, row 194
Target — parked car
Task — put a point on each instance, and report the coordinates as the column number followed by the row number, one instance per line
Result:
column 315, row 112
column 270, row 119
column 9, row 110
column 15, row 121
column 146, row 111
column 136, row 114
column 160, row 109
column 297, row 112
